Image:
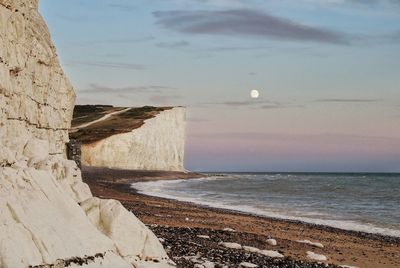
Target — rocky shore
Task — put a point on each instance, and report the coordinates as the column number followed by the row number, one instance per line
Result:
column 198, row 236
column 204, row 248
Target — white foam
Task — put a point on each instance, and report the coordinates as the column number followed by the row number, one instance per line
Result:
column 160, row 189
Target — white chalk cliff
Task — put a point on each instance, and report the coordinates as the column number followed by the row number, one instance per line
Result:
column 157, row 145
column 48, row 217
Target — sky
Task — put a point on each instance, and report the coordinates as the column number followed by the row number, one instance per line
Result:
column 328, row 73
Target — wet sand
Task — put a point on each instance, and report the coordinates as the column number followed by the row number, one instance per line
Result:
column 173, row 220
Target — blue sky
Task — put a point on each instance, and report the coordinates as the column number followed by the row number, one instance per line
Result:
column 327, row 71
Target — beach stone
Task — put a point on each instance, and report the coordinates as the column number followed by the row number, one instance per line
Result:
column 208, row 264
column 315, row 256
column 204, row 236
column 251, row 249
column 271, row 253
column 230, row 245
column 272, row 242
column 247, row 265
column 308, row 242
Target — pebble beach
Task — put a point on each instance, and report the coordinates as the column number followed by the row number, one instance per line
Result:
column 198, row 236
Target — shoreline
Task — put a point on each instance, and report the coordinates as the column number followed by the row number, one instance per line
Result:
column 342, row 247
column 377, row 235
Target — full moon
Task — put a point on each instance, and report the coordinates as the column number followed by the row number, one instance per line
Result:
column 254, row 94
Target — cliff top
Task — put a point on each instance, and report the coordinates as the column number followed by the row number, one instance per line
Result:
column 92, row 123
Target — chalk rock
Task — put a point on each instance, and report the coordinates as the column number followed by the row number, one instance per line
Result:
column 36, row 151
column 42, row 222
column 114, row 221
column 204, row 236
column 315, row 256
column 308, row 242
column 230, row 245
column 271, row 242
column 250, row 249
column 271, row 253
column 248, row 265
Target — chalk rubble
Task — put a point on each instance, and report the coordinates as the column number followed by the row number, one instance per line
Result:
column 230, row 245
column 317, row 257
column 271, row 253
column 251, row 249
column 308, row 242
column 247, row 265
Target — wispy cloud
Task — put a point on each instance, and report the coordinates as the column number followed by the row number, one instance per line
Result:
column 355, row 2
column 245, row 22
column 129, row 40
column 393, row 36
column 113, row 41
column 97, row 89
column 165, row 99
column 109, row 65
column 122, row 7
column 246, row 103
column 349, row 100
column 179, row 44
column 256, row 104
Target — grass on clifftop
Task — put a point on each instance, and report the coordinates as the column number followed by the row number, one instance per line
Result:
column 116, row 124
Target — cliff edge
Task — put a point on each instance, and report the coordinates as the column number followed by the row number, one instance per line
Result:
column 145, row 138
column 48, row 216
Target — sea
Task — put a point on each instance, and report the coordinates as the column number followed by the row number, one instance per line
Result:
column 357, row 201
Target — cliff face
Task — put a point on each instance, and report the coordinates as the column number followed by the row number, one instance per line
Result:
column 47, row 214
column 158, row 144
column 35, row 96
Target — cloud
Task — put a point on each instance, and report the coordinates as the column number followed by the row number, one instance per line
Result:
column 245, row 22
column 179, row 44
column 115, row 41
column 165, row 99
column 129, row 40
column 97, row 89
column 348, row 100
column 393, row 36
column 109, row 65
column 257, row 104
column 355, row 2
column 122, row 7
column 235, row 48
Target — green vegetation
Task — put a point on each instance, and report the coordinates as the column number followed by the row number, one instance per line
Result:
column 116, row 124
column 88, row 113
